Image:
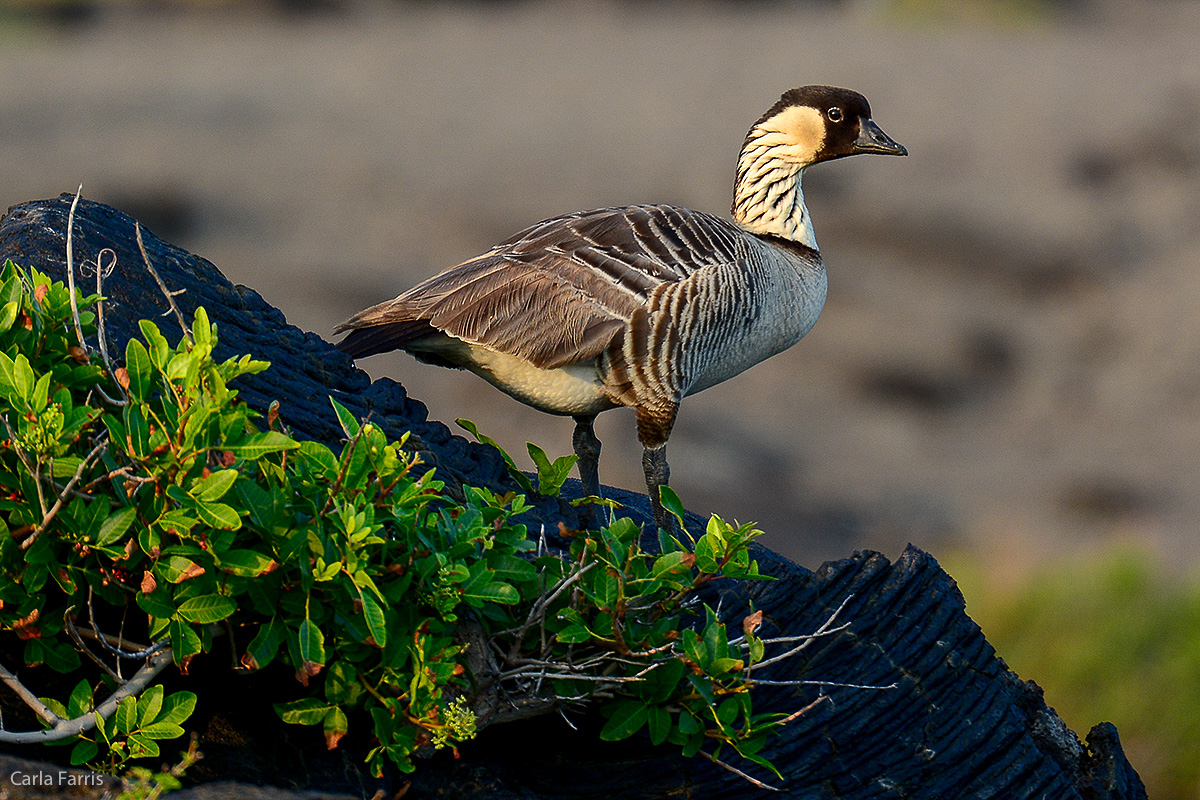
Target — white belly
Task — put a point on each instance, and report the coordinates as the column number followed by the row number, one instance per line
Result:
column 570, row 390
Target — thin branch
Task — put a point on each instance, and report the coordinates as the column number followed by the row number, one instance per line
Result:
column 797, row 714
column 103, row 640
column 825, row 628
column 12, row 437
column 739, row 773
column 764, row 682
column 101, row 336
column 64, row 729
column 53, row 512
column 347, row 458
column 567, row 676
column 37, row 481
column 108, row 637
column 167, row 293
column 10, row 680
column 538, row 610
column 76, row 636
column 71, row 269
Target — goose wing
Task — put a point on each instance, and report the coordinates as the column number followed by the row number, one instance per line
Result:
column 559, row 291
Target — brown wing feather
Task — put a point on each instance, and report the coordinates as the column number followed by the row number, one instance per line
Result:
column 556, row 293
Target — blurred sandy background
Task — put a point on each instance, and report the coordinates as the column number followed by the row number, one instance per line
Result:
column 1009, row 362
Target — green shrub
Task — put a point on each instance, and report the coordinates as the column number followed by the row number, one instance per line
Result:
column 147, row 498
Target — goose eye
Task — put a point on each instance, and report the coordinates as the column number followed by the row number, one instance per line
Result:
column 834, row 114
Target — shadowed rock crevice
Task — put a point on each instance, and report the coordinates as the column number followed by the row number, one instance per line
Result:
column 958, row 723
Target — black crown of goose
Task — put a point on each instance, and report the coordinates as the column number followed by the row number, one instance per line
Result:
column 641, row 305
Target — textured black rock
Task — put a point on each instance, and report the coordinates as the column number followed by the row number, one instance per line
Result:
column 957, row 724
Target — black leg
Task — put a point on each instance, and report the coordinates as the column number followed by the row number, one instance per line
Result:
column 587, row 447
column 658, row 473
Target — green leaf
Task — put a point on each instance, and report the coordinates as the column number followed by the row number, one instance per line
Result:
column 521, row 478
column 218, row 515
column 65, row 466
column 511, row 568
column 709, row 552
column 671, row 502
column 57, row 655
column 139, row 368
column 662, row 681
column 305, row 711
column 184, row 641
column 573, row 634
column 149, row 704
column 115, row 526
column 373, row 614
column 207, row 608
column 723, row 666
column 694, row 649
column 319, row 458
column 727, row 712
column 8, row 315
column 246, row 563
column 627, row 718
column 342, row 685
column 715, row 640
column 265, row 644
column 493, row 592
column 8, row 384
column 138, row 430
column 161, row 730
column 83, row 751
column 551, row 476
column 312, row 643
column 80, row 701
column 23, row 378
column 201, row 329
column 176, row 708
column 157, row 604
column 214, row 486
column 336, row 726
column 160, row 350
column 127, row 715
column 257, row 445
column 349, row 424
column 142, row 747
column 659, row 723
column 41, row 392
column 174, row 569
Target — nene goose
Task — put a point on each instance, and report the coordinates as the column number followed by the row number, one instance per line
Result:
column 644, row 305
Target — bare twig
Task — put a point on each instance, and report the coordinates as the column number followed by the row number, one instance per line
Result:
column 341, row 476
column 37, row 481
column 12, row 438
column 797, row 714
column 739, row 773
column 538, row 610
column 103, row 640
column 63, row 729
column 761, row 682
column 826, row 628
column 77, row 637
column 62, row 497
column 108, row 637
column 10, row 680
column 71, row 268
column 101, row 335
column 167, row 293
